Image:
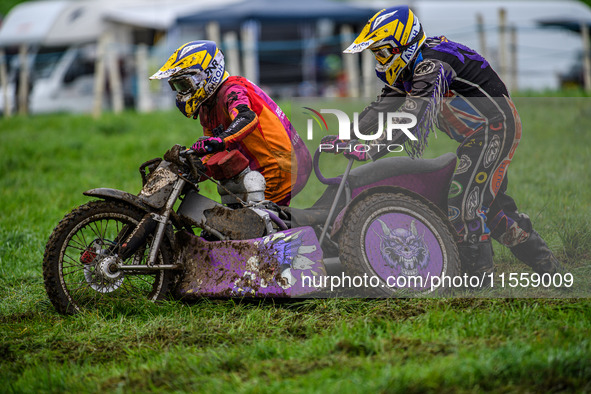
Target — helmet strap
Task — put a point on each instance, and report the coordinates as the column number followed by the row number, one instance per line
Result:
column 408, row 71
column 416, row 39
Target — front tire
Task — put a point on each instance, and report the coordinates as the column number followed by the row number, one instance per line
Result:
column 80, row 256
column 399, row 242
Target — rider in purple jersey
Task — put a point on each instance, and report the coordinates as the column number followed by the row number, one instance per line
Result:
column 449, row 86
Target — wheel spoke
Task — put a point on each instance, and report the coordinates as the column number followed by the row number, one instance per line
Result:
column 83, row 244
column 70, row 258
column 70, row 272
column 99, row 229
column 79, row 266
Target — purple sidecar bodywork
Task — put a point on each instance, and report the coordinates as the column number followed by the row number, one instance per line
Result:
column 283, row 264
column 290, row 263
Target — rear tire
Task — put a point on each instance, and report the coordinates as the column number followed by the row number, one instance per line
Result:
column 401, row 242
column 81, row 251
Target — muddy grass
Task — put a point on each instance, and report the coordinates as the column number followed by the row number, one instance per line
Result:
column 322, row 345
column 392, row 345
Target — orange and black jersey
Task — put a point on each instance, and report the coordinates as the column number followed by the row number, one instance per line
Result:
column 247, row 119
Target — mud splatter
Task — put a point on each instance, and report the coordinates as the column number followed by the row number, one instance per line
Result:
column 236, row 224
column 238, row 269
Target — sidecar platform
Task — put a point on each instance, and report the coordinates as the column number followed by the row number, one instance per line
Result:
column 285, row 264
column 427, row 177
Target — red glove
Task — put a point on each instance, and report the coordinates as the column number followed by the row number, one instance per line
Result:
column 208, row 145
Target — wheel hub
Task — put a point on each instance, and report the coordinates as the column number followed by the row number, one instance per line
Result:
column 104, row 276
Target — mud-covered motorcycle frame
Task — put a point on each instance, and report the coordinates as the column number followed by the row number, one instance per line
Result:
column 152, row 221
column 158, row 222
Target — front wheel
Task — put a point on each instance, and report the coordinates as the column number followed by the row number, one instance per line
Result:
column 80, row 261
column 401, row 243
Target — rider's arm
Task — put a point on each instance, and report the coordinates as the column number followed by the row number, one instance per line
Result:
column 244, row 119
column 430, row 83
column 389, row 100
column 244, row 122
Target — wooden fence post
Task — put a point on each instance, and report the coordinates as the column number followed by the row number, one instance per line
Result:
column 481, row 35
column 23, row 79
column 4, row 83
column 586, row 57
column 514, row 66
column 350, row 62
column 114, row 76
column 250, row 56
column 232, row 53
column 144, row 100
column 99, row 77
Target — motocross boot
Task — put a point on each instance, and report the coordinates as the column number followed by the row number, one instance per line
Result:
column 535, row 253
column 477, row 260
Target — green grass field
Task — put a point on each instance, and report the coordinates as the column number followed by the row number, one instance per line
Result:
column 323, row 345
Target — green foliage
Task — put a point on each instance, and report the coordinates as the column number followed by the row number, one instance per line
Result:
column 7, row 5
column 324, row 345
column 588, row 2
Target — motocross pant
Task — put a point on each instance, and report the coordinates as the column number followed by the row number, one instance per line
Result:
column 479, row 207
column 484, row 157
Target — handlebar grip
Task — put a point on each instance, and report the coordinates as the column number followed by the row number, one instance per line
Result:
column 189, row 152
column 321, row 178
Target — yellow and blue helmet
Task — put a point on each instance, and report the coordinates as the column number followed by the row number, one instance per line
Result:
column 194, row 72
column 394, row 35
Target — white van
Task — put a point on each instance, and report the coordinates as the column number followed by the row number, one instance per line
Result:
column 61, row 79
column 61, row 39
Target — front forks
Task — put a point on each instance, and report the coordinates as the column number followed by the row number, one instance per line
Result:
column 146, row 227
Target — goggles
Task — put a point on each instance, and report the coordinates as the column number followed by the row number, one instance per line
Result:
column 184, row 84
column 384, row 53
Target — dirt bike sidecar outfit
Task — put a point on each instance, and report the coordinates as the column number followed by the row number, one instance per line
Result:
column 447, row 85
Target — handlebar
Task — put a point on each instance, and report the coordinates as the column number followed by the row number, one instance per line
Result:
column 189, row 152
column 321, row 178
column 316, row 163
column 150, row 165
column 186, row 152
column 195, row 171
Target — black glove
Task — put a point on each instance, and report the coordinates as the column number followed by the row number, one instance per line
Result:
column 208, row 145
column 330, row 143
